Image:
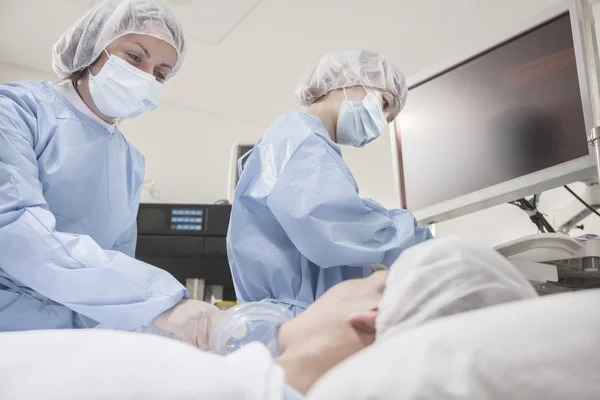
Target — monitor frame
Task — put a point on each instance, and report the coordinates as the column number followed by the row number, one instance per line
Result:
column 233, row 162
column 537, row 182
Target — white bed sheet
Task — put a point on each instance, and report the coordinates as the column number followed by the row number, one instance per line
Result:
column 544, row 348
column 101, row 364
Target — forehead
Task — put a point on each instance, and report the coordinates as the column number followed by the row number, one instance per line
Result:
column 159, row 50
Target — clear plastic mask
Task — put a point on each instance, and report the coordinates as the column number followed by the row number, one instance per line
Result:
column 247, row 323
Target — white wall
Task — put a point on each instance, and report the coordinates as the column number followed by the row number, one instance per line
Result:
column 188, row 150
column 11, row 73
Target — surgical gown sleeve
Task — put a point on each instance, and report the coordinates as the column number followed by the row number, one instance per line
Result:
column 126, row 243
column 320, row 210
column 105, row 285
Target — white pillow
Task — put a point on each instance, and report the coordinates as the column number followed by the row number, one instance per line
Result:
column 102, row 364
column 542, row 348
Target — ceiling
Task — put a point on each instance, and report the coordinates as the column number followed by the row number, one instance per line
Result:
column 245, row 56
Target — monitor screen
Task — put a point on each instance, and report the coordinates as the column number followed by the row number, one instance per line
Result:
column 511, row 111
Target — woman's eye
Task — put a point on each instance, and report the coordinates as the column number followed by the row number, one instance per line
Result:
column 160, row 76
column 134, row 57
column 386, row 104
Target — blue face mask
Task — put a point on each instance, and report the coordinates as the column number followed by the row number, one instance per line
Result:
column 120, row 90
column 360, row 122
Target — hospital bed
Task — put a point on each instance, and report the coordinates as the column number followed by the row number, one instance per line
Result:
column 543, row 348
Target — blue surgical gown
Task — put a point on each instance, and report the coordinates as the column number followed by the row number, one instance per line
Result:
column 69, row 195
column 298, row 225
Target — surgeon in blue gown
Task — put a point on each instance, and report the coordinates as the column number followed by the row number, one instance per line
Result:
column 298, row 225
column 70, row 182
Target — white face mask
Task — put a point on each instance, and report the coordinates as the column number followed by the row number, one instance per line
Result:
column 120, row 90
column 360, row 122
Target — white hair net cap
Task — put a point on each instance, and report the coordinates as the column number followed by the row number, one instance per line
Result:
column 446, row 276
column 83, row 42
column 351, row 68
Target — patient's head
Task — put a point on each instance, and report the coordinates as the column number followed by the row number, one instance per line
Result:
column 339, row 324
column 445, row 277
column 435, row 279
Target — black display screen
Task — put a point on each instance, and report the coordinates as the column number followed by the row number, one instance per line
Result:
column 172, row 218
column 511, row 111
column 153, row 219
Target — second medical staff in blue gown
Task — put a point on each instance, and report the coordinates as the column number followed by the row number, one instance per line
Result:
column 298, row 224
column 70, row 182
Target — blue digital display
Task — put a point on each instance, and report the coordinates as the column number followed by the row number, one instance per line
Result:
column 187, row 219
column 185, row 211
column 182, row 227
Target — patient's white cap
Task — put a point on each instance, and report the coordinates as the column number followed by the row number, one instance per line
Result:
column 443, row 277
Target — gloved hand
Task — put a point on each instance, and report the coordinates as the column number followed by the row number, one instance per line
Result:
column 190, row 320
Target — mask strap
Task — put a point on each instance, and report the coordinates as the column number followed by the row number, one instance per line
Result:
column 90, row 67
column 363, row 86
column 378, row 104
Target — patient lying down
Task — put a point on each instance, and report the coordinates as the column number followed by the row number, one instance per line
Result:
column 430, row 281
column 435, row 279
